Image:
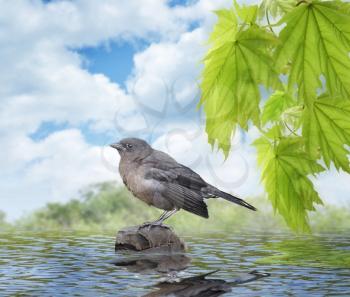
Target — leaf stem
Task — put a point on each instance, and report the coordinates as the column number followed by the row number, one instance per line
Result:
column 291, row 131
column 268, row 21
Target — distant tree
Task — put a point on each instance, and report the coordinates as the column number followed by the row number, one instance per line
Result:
column 97, row 206
column 2, row 217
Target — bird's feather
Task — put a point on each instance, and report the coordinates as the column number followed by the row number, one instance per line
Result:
column 168, row 169
column 186, row 199
column 183, row 191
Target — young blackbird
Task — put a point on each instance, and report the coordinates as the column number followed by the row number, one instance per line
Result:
column 160, row 181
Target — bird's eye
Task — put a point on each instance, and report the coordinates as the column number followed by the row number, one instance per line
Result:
column 129, row 146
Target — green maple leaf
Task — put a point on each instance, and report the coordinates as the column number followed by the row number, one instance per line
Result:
column 234, row 67
column 276, row 7
column 275, row 105
column 225, row 29
column 327, row 130
column 285, row 170
column 247, row 13
column 312, row 50
column 315, row 41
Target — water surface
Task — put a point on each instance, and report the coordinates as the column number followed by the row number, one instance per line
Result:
column 49, row 264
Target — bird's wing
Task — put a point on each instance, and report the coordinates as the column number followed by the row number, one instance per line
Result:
column 186, row 199
column 165, row 167
column 175, row 189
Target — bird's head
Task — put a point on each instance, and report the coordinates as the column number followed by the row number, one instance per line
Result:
column 132, row 148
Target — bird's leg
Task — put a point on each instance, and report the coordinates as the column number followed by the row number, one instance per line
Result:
column 156, row 222
column 161, row 218
column 165, row 215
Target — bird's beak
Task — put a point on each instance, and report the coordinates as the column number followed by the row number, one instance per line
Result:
column 117, row 146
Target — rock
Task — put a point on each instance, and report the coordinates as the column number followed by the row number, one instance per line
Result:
column 150, row 248
column 140, row 238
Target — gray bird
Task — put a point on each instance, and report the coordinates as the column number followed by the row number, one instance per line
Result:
column 157, row 179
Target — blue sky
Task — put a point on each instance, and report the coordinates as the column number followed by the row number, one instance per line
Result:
column 114, row 60
column 82, row 74
column 101, row 58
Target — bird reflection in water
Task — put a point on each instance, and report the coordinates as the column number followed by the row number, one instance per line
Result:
column 201, row 286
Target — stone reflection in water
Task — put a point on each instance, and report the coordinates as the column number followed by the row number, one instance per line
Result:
column 158, row 249
column 156, row 261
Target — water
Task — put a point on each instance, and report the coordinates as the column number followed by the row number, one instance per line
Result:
column 37, row 264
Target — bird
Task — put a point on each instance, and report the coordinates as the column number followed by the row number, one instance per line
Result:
column 160, row 181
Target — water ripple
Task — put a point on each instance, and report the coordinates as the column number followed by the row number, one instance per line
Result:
column 80, row 265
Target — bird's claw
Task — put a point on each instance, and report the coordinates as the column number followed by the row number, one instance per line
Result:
column 149, row 225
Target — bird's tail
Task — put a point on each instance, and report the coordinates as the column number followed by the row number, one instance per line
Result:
column 234, row 199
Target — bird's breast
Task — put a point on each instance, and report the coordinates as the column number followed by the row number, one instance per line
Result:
column 146, row 189
column 139, row 186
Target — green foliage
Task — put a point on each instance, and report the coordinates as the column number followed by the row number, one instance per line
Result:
column 3, row 224
column 315, row 42
column 276, row 7
column 237, row 63
column 107, row 208
column 285, row 169
column 274, row 107
column 327, row 128
column 101, row 207
column 308, row 49
column 2, row 217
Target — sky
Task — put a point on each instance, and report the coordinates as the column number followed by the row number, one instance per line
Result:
column 78, row 75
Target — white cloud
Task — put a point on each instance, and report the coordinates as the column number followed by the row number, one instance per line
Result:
column 167, row 72
column 86, row 22
column 56, row 168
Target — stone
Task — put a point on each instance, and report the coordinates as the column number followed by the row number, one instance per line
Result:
column 146, row 237
column 148, row 248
